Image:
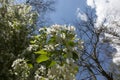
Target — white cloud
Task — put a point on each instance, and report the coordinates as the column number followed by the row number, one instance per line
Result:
column 106, row 9
column 80, row 15
column 91, row 3
column 109, row 10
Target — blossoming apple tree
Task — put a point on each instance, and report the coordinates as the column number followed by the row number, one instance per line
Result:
column 56, row 51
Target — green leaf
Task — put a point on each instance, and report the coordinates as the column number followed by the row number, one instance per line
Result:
column 52, row 39
column 37, row 37
column 42, row 58
column 30, row 65
column 32, row 42
column 71, row 43
column 41, row 52
column 52, row 63
column 65, row 55
column 43, row 78
column 76, row 68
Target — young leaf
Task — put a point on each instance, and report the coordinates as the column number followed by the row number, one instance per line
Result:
column 42, row 58
column 71, row 43
column 32, row 42
column 52, row 63
column 41, row 52
column 30, row 65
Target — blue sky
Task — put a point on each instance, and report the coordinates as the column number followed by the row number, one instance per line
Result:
column 66, row 11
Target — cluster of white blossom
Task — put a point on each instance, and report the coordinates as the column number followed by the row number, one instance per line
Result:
column 57, row 28
column 62, row 35
column 32, row 47
column 66, row 71
column 41, row 71
column 20, row 68
column 58, row 72
column 62, row 39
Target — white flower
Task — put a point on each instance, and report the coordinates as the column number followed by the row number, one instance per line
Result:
column 63, row 36
column 68, row 61
column 56, row 27
column 52, row 30
column 48, row 30
column 71, row 28
column 56, row 45
column 63, row 27
column 30, row 47
column 41, row 29
column 65, row 49
column 42, row 68
column 16, row 62
column 49, row 47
